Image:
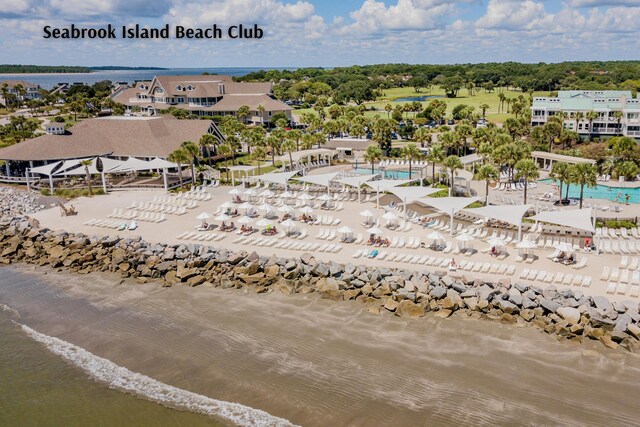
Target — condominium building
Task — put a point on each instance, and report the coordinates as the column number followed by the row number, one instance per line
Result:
column 31, row 90
column 203, row 95
column 615, row 112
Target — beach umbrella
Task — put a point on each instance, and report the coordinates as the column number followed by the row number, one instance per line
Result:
column 264, row 223
column 286, row 195
column 305, row 196
column 289, row 224
column 203, row 216
column 496, row 241
column 389, row 216
column 249, row 192
column 345, row 229
column 222, row 217
column 306, row 210
column 285, row 209
column 245, row 220
column 267, row 193
column 464, row 238
column 265, row 207
column 367, row 213
column 435, row 236
column 235, row 192
column 565, row 247
column 374, row 230
column 246, row 205
column 325, row 198
column 527, row 245
column 226, row 205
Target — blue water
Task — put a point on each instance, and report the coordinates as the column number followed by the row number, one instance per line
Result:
column 388, row 174
column 417, row 98
column 49, row 81
column 599, row 192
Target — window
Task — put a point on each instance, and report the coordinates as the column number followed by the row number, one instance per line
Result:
column 179, row 87
column 190, row 87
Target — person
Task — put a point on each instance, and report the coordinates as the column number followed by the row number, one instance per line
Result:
column 494, row 251
column 626, row 198
column 452, row 265
column 223, row 226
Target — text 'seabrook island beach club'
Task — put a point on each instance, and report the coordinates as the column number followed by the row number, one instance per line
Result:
column 320, row 213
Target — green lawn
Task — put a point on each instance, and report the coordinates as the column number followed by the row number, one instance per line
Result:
column 479, row 98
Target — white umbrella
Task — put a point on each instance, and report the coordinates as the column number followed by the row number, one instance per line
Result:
column 374, row 230
column 496, row 241
column 288, row 223
column 235, row 191
column 526, row 244
column 434, row 235
column 285, row 209
column 286, row 194
column 203, row 216
column 305, row 196
column 367, row 213
column 249, row 192
column 464, row 237
column 265, row 207
column 226, row 205
column 264, row 223
column 245, row 220
column 222, row 217
column 389, row 216
column 565, row 247
column 306, row 210
column 325, row 197
column 246, row 205
column 267, row 193
column 345, row 229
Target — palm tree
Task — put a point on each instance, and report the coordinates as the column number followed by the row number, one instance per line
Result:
column 488, row 173
column 206, row 142
column 618, row 115
column 579, row 116
column 225, row 149
column 411, row 153
column 501, row 98
column 388, row 108
column 243, row 113
column 591, row 116
column 193, row 152
column 258, row 154
column 261, row 110
column 561, row 172
column 484, row 108
column 627, row 169
column 583, row 174
column 526, row 170
column 289, row 145
column 435, row 155
column 179, row 157
column 295, row 135
column 373, row 154
column 86, row 164
column 452, row 163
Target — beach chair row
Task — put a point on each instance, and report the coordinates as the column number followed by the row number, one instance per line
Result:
column 292, row 244
column 558, row 278
column 412, row 242
column 487, row 267
column 619, row 246
column 140, row 216
column 326, row 220
column 616, row 233
column 622, row 275
column 201, row 236
column 106, row 223
column 194, row 195
column 170, row 200
column 159, row 207
column 621, row 289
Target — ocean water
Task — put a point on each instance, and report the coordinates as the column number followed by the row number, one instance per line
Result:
column 89, row 350
column 49, row 81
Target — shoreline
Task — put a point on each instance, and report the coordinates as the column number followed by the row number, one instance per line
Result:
column 566, row 314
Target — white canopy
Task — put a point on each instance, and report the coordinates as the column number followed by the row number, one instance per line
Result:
column 508, row 213
column 266, row 207
column 374, row 230
column 277, row 178
column 305, row 196
column 386, row 184
column 159, row 163
column 246, row 205
column 287, row 194
column 496, row 241
column 565, row 247
column 46, row 169
column 249, row 192
column 203, row 216
column 245, row 220
column 132, row 164
column 526, row 244
column 389, row 216
column 226, row 205
column 580, row 219
column 356, row 181
column 464, row 237
column 325, row 197
column 411, row 194
column 109, row 165
column 289, row 223
column 222, row 217
column 285, row 208
column 267, row 193
column 366, row 213
column 73, row 167
column 448, row 205
column 323, row 180
column 434, row 235
column 235, row 191
column 345, row 229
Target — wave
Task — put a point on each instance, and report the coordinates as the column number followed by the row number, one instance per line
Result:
column 122, row 379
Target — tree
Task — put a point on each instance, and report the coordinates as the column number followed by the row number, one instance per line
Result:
column 591, row 116
column 179, row 157
column 243, row 113
column 258, row 154
column 193, row 152
column 583, row 174
column 373, row 154
column 225, row 149
column 388, row 108
column 206, row 142
column 5, row 91
column 623, row 147
column 618, row 115
column 435, row 155
column 488, row 173
column 289, row 145
column 86, row 164
column 527, row 170
column 579, row 116
column 411, row 153
column 382, row 129
column 561, row 172
column 452, row 163
column 422, row 135
column 501, row 97
column 484, row 108
column 261, row 111
column 627, row 169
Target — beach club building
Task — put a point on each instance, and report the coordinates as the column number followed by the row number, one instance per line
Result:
column 203, row 95
column 31, row 90
column 116, row 145
column 578, row 103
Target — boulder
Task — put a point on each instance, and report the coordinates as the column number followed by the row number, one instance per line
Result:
column 570, row 314
column 549, row 305
column 328, row 288
column 602, row 303
column 409, row 309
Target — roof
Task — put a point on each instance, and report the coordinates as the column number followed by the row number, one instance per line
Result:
column 593, row 93
column 508, row 213
column 302, row 154
column 560, row 157
column 23, row 83
column 584, row 100
column 580, row 219
column 386, row 184
column 276, row 178
column 411, row 194
column 116, row 136
column 356, row 181
column 323, row 180
column 232, row 102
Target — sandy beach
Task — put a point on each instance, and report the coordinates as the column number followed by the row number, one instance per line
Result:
column 316, row 362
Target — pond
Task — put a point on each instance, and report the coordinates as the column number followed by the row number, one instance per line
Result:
column 417, row 98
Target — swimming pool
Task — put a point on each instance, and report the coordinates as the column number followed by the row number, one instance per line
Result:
column 417, row 98
column 389, row 174
column 599, row 192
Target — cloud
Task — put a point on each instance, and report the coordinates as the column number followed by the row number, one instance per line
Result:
column 513, row 15
column 74, row 9
column 603, row 3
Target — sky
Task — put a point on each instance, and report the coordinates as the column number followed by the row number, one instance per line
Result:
column 327, row 33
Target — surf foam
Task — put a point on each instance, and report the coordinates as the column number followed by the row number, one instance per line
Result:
column 122, row 379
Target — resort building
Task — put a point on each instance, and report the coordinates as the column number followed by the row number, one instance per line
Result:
column 615, row 112
column 204, row 95
column 115, row 137
column 31, row 90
